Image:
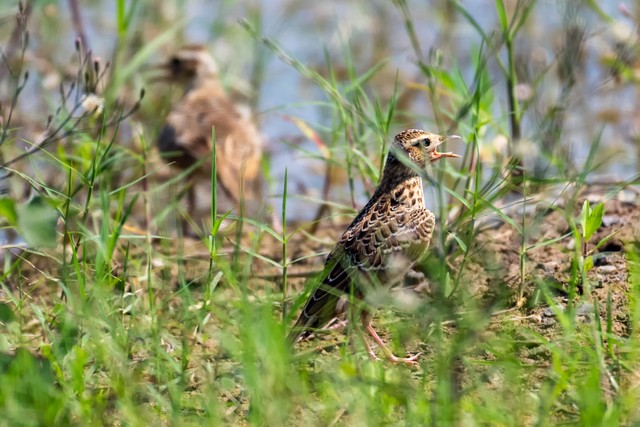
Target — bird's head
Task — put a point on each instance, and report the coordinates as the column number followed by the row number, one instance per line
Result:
column 420, row 146
column 188, row 65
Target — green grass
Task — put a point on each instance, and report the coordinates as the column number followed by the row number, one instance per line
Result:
column 113, row 317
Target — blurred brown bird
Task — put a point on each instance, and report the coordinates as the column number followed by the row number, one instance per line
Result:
column 382, row 243
column 186, row 139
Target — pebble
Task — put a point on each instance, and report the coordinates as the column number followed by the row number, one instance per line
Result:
column 628, row 197
column 548, row 321
column 609, row 220
column 548, row 312
column 607, row 269
column 585, row 309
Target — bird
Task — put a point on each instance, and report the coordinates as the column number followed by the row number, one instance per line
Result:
column 387, row 237
column 186, row 137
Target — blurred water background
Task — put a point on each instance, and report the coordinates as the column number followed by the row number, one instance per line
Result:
column 602, row 105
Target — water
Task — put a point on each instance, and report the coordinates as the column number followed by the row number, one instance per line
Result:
column 307, row 30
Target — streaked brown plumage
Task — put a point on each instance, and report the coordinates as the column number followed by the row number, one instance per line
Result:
column 383, row 242
column 186, row 137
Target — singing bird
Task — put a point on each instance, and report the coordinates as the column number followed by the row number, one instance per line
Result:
column 186, row 137
column 387, row 237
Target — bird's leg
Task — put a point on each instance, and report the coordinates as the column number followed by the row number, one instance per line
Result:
column 372, row 355
column 366, row 323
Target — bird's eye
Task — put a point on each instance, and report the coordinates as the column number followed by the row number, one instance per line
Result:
column 424, row 141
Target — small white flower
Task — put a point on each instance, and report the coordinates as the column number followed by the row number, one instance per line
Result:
column 92, row 104
column 622, row 33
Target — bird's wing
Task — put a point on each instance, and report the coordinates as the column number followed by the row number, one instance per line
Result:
column 389, row 229
column 321, row 306
column 412, row 235
column 193, row 119
column 238, row 143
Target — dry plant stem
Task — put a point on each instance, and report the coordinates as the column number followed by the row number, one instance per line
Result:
column 16, row 34
column 145, row 189
column 339, row 415
column 523, row 247
column 324, row 207
column 78, row 26
column 21, row 35
column 54, row 137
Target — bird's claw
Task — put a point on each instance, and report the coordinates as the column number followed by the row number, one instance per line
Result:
column 412, row 360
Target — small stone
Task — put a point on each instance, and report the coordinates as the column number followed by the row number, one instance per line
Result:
column 547, row 321
column 609, row 220
column 628, row 197
column 585, row 309
column 548, row 312
column 550, row 267
column 607, row 269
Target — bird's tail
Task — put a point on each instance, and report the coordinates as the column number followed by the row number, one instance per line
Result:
column 301, row 329
column 321, row 307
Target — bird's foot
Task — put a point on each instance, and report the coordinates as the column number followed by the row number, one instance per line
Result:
column 412, row 360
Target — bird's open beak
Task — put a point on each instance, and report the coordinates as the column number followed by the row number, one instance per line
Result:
column 437, row 155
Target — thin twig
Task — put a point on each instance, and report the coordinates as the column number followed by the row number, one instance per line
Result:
column 14, row 42
column 78, row 25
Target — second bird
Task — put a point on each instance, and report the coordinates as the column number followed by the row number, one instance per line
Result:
column 186, row 137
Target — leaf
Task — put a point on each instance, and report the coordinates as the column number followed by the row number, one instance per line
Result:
column 502, row 16
column 6, row 313
column 310, row 134
column 37, row 222
column 594, row 221
column 584, row 215
column 461, row 243
column 588, row 263
column 8, row 210
column 548, row 242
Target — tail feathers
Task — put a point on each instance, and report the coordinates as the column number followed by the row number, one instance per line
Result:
column 302, row 329
column 317, row 312
column 322, row 305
